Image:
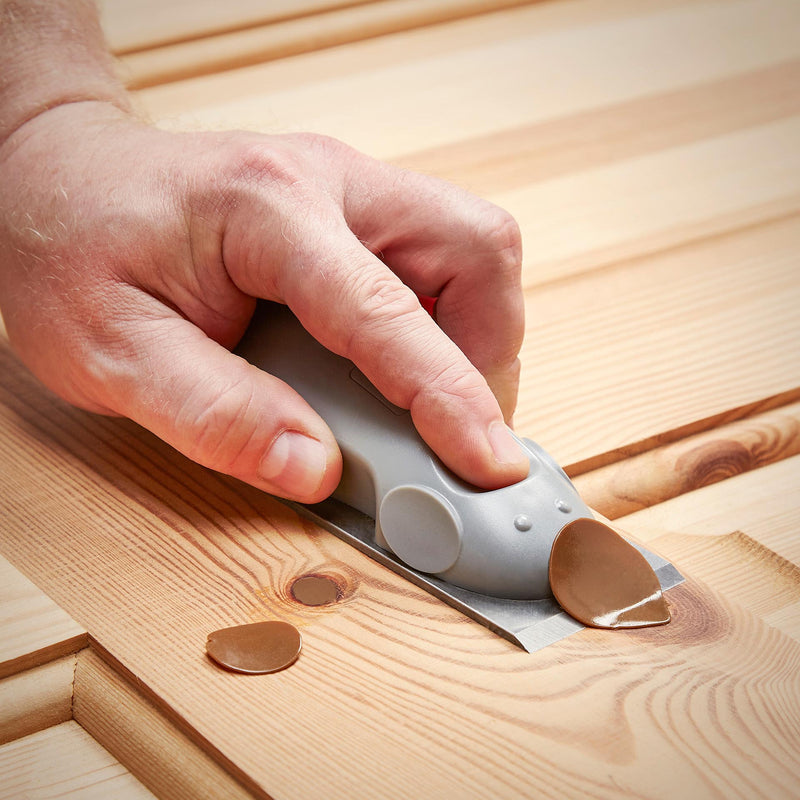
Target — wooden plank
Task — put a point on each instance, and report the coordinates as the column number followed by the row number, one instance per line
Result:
column 662, row 473
column 157, row 552
column 33, row 629
column 621, row 360
column 636, row 160
column 37, row 698
column 596, row 136
column 137, row 24
column 763, row 504
column 602, row 216
column 255, row 45
column 492, row 74
column 64, row 761
column 739, row 535
column 152, row 747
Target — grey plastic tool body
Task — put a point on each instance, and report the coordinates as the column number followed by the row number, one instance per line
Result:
column 491, row 542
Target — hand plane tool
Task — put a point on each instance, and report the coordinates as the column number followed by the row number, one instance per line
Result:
column 528, row 560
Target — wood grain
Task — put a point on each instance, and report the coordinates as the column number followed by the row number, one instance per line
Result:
column 36, row 698
column 491, row 74
column 64, row 761
column 740, row 535
column 152, row 747
column 763, row 504
column 166, row 552
column 653, row 152
column 33, row 629
column 612, row 132
column 649, row 149
column 664, row 472
column 618, row 361
column 140, row 24
column 302, row 34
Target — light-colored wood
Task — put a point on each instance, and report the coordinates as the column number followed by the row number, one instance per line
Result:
column 36, row 698
column 137, row 24
column 166, row 552
column 289, row 37
column 645, row 158
column 600, row 217
column 763, row 504
column 33, row 629
column 594, row 136
column 621, row 360
column 152, row 747
column 449, row 84
column 740, row 536
column 649, row 148
column 664, row 472
column 64, row 761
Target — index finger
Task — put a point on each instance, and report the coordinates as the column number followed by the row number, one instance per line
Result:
column 445, row 243
column 354, row 305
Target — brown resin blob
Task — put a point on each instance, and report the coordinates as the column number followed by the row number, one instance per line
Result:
column 257, row 648
column 316, row 590
column 602, row 580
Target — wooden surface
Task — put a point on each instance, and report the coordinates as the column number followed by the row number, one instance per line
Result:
column 140, row 24
column 35, row 630
column 302, row 31
column 650, row 152
column 64, row 761
column 34, row 699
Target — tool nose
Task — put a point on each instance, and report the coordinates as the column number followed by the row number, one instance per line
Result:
column 602, row 580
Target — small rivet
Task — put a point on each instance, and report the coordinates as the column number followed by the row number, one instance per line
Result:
column 522, row 522
column 563, row 506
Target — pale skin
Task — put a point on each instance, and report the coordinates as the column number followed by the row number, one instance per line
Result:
column 131, row 260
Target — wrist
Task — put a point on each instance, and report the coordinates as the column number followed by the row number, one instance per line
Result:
column 52, row 53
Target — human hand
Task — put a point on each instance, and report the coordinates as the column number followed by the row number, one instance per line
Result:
column 132, row 258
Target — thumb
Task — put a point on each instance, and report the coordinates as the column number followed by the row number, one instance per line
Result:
column 222, row 412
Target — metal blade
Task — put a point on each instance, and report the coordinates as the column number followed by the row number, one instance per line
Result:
column 529, row 624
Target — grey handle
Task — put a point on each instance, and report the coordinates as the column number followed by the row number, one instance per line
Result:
column 493, row 542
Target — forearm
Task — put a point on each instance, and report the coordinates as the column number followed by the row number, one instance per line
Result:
column 52, row 52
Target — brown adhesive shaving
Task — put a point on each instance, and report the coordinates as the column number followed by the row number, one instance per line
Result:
column 255, row 649
column 602, row 580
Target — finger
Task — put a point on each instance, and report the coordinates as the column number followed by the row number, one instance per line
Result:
column 219, row 410
column 358, row 308
column 445, row 243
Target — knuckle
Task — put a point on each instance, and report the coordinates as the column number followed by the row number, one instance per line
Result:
column 381, row 306
column 255, row 161
column 503, row 238
column 459, row 382
column 220, row 423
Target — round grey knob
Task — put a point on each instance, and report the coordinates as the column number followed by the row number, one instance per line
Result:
column 421, row 527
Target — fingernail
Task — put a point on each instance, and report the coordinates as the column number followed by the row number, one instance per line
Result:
column 295, row 464
column 505, row 447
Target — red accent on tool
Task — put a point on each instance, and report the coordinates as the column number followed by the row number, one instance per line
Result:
column 428, row 303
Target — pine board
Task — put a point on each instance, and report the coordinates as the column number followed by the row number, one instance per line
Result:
column 447, row 84
column 620, row 360
column 740, row 536
column 151, row 745
column 140, row 24
column 662, row 473
column 281, row 38
column 155, row 552
column 650, row 152
column 64, row 761
column 36, row 698
column 33, row 629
